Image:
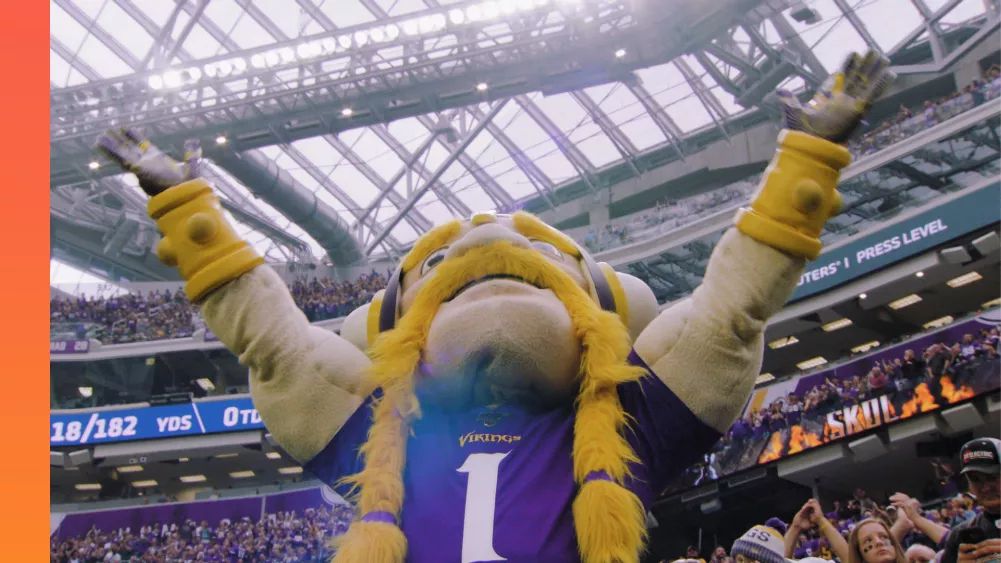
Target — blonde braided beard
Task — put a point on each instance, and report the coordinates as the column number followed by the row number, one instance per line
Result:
column 609, row 519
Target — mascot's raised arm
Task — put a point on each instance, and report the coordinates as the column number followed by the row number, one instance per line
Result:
column 506, row 398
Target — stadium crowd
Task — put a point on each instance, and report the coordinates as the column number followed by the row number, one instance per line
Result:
column 912, row 381
column 668, row 215
column 904, row 373
column 809, row 538
column 283, row 537
column 158, row 315
column 665, row 215
column 909, row 121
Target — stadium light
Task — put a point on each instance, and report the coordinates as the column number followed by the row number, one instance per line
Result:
column 144, row 483
column 292, row 470
column 86, row 392
column 783, row 342
column 347, row 112
column 862, row 295
column 964, row 279
column 919, row 275
column 241, row 474
column 183, row 459
column 220, row 140
column 88, row 486
column 764, row 378
column 203, row 382
column 130, row 469
column 812, row 363
column 226, row 456
column 991, row 304
column 905, row 301
column 193, row 478
column 835, row 325
column 172, row 79
column 939, row 322
column 273, row 455
column 865, row 347
column 94, row 165
column 482, row 87
column 619, row 53
column 428, row 22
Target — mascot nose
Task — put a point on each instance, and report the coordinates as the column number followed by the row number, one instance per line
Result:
column 484, row 234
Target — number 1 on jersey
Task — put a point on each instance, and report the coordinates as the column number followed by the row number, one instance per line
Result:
column 481, row 501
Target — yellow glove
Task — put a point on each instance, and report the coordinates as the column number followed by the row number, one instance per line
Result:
column 797, row 195
column 198, row 239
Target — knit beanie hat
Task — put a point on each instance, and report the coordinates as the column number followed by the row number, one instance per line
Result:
column 760, row 543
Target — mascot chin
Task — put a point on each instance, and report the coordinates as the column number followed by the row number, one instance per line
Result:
column 506, row 398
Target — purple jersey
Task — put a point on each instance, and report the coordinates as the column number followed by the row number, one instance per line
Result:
column 496, row 483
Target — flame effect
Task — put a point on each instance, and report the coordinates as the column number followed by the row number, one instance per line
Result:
column 923, row 401
column 773, row 450
column 953, row 395
column 800, row 439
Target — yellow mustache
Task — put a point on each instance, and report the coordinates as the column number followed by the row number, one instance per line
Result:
column 496, row 260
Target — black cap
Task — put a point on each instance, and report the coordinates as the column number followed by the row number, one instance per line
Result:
column 982, row 455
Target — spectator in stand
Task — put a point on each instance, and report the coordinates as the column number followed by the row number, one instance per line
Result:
column 719, row 555
column 872, row 541
column 284, row 537
column 811, row 516
column 692, row 555
column 763, row 544
column 919, row 553
column 981, row 460
column 911, row 509
column 158, row 315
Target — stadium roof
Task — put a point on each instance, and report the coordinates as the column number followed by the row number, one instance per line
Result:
column 358, row 124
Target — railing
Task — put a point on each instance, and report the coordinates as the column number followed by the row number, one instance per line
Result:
column 663, row 219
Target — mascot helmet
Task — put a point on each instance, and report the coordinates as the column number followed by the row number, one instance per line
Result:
column 623, row 294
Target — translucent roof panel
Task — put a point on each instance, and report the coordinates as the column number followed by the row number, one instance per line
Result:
column 579, row 127
column 100, row 39
column 138, row 43
column 966, row 10
column 833, row 37
column 888, row 31
column 673, row 93
column 538, row 146
column 627, row 113
column 345, row 13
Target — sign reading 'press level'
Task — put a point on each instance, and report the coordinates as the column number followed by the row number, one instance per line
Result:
column 902, row 240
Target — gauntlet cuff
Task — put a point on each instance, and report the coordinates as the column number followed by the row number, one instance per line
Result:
column 797, row 195
column 198, row 239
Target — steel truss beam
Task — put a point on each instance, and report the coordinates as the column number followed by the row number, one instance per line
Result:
column 667, row 126
column 570, row 150
column 416, row 219
column 275, row 101
column 330, row 186
column 250, row 214
column 540, row 181
column 627, row 150
column 97, row 31
column 416, row 196
column 70, row 57
column 455, row 205
column 857, row 23
column 713, row 106
column 500, row 197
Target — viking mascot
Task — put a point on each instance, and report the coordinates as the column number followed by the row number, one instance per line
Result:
column 506, row 398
